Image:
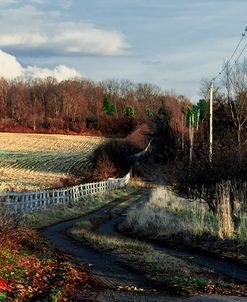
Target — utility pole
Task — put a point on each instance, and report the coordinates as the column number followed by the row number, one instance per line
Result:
column 211, row 125
column 191, row 136
column 182, row 131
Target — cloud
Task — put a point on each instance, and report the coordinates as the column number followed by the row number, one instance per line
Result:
column 10, row 68
column 51, row 35
column 63, row 3
column 7, row 2
column 66, row 39
column 60, row 73
column 22, row 39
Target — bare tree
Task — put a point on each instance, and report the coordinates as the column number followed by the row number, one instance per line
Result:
column 205, row 90
column 235, row 82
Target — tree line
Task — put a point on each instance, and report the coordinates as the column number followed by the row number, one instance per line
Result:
column 116, row 108
column 44, row 105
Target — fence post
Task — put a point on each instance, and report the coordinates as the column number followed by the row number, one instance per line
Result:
column 28, row 201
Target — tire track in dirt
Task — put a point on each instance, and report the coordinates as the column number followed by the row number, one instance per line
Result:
column 111, row 272
column 231, row 270
column 102, row 265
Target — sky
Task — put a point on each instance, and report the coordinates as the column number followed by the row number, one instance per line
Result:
column 169, row 43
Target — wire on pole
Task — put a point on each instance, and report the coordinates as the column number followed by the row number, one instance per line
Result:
column 234, row 52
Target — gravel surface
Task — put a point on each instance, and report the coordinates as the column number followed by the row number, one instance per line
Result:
column 232, row 270
column 117, row 296
column 108, row 268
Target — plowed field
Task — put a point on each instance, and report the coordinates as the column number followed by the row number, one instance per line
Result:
column 38, row 161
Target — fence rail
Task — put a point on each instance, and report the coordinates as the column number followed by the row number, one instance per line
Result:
column 25, row 202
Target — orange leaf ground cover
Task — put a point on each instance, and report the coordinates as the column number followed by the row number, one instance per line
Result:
column 30, row 271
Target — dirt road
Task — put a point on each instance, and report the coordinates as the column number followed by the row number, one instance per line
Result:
column 112, row 273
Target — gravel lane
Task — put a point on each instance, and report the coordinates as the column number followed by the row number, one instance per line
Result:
column 116, row 296
column 232, row 270
column 109, row 270
column 102, row 265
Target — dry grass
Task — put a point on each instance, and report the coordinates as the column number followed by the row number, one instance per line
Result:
column 46, row 217
column 38, row 161
column 166, row 217
column 231, row 198
column 167, row 214
column 170, row 272
column 46, row 142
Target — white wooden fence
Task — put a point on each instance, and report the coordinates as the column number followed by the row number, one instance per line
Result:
column 24, row 202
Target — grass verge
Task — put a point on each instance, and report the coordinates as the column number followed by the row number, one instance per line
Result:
column 31, row 271
column 168, row 218
column 44, row 218
column 170, row 273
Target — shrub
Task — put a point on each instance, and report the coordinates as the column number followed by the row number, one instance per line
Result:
column 165, row 143
column 104, row 168
column 140, row 136
column 114, row 156
column 227, row 164
column 129, row 111
column 69, row 181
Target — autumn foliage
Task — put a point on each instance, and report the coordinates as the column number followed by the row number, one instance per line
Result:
column 76, row 106
column 30, row 271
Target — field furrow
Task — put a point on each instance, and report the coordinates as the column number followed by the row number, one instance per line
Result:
column 38, row 161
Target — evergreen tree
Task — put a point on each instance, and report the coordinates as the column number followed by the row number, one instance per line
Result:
column 107, row 107
column 129, row 111
column 149, row 112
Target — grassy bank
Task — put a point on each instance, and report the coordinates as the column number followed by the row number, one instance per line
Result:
column 30, row 270
column 166, row 217
column 44, row 218
column 170, row 273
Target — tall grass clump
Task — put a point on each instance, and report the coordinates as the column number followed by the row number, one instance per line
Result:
column 231, row 208
column 168, row 215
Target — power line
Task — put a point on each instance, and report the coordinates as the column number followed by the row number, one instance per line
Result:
column 239, row 56
column 211, row 94
column 235, row 50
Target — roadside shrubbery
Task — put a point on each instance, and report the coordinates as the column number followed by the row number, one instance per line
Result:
column 167, row 217
column 228, row 163
column 221, row 184
column 30, row 271
column 113, row 158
